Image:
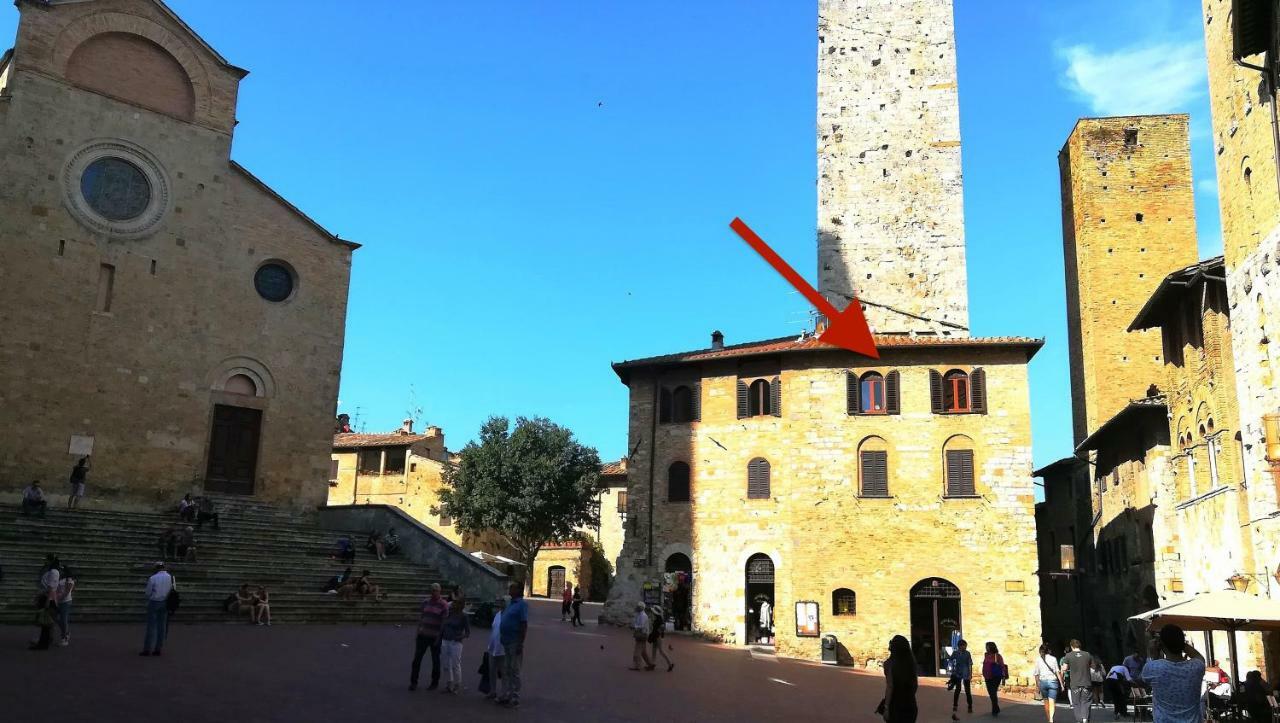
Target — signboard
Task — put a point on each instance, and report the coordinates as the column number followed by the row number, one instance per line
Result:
column 81, row 445
column 807, row 625
column 652, row 593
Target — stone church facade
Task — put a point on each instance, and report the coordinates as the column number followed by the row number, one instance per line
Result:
column 169, row 312
column 857, row 497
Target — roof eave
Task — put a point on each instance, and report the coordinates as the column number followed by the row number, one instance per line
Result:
column 1090, row 443
column 297, row 211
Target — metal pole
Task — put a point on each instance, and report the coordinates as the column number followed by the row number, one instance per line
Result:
column 1235, row 663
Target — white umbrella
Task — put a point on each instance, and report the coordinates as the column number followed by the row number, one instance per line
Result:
column 1222, row 610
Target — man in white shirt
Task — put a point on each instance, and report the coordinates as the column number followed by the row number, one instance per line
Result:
column 640, row 631
column 158, row 588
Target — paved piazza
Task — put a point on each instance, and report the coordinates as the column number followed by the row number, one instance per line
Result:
column 248, row 674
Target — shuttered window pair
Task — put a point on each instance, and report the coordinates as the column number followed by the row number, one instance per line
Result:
column 875, row 473
column 678, row 482
column 760, row 398
column 873, row 393
column 959, row 471
column 680, row 404
column 957, row 392
column 758, row 474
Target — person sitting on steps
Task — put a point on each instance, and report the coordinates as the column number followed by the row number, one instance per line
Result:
column 262, row 607
column 187, row 508
column 244, row 603
column 337, row 581
column 33, row 501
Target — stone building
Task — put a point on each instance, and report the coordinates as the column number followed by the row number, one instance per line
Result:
column 890, row 191
column 1128, row 217
column 613, row 510
column 1064, row 549
column 178, row 318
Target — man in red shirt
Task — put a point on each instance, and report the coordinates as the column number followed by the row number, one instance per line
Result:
column 434, row 608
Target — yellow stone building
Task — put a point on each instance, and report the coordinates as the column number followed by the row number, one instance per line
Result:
column 179, row 319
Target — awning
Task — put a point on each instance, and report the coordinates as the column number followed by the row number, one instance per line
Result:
column 1222, row 610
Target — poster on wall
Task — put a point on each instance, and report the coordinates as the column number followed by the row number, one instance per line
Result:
column 807, row 619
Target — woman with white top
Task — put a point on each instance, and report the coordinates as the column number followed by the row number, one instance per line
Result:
column 494, row 653
column 1048, row 681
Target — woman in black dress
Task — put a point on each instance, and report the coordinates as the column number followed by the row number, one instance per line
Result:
column 900, row 683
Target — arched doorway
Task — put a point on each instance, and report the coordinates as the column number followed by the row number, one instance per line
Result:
column 760, row 612
column 935, row 621
column 680, row 568
column 555, row 581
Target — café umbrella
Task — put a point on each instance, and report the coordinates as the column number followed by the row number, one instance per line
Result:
column 1226, row 610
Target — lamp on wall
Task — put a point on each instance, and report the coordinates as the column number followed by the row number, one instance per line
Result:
column 1238, row 582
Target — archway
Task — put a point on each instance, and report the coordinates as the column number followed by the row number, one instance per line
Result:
column 760, row 611
column 935, row 622
column 680, row 570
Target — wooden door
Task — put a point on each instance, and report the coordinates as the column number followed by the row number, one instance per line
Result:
column 555, row 582
column 233, row 449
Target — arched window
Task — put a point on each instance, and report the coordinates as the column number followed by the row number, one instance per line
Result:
column 958, row 467
column 844, row 602
column 678, row 482
column 873, row 468
column 955, row 391
column 871, row 393
column 958, row 392
column 758, row 473
column 758, row 398
column 681, row 405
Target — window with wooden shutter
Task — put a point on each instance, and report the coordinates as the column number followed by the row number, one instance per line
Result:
column 681, row 405
column 678, row 482
column 892, row 393
column 696, row 391
column 758, row 479
column 851, row 387
column 935, row 391
column 760, row 395
column 955, row 392
column 871, row 394
column 959, row 463
column 978, row 391
column 744, row 406
column 775, row 397
column 875, row 473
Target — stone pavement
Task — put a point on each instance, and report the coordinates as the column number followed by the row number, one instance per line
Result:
column 247, row 674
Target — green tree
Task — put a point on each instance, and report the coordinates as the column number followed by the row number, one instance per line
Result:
column 529, row 486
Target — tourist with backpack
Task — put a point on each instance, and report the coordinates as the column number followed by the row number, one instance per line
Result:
column 1048, row 680
column 994, row 673
column 961, row 675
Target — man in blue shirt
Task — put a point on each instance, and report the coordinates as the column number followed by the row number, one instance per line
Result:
column 1175, row 681
column 511, row 631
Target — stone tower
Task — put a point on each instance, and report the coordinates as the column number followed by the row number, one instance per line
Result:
column 1128, row 219
column 890, row 204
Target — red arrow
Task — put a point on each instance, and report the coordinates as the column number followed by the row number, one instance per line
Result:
column 846, row 329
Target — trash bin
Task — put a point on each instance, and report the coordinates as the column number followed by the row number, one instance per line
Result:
column 830, row 650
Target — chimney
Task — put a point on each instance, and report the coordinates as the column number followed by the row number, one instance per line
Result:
column 406, row 427
column 717, row 340
column 434, row 432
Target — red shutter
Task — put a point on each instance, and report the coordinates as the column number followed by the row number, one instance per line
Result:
column 875, row 473
column 978, row 391
column 853, row 387
column 891, row 393
column 775, row 397
column 935, row 391
column 742, row 400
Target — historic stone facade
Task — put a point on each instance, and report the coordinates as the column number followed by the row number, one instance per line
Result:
column 613, row 510
column 1065, row 547
column 1128, row 218
column 172, row 314
column 865, row 487
column 890, row 191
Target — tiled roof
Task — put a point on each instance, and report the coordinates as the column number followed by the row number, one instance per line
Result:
column 1152, row 313
column 791, row 344
column 1054, row 466
column 354, row 440
column 614, row 469
column 1124, row 419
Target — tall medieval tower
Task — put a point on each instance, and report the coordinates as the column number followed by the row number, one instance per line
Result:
column 890, row 196
column 1128, row 219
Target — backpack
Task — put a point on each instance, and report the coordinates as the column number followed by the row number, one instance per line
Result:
column 172, row 602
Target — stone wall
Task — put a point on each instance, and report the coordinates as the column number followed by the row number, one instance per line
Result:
column 1128, row 219
column 415, row 490
column 820, row 534
column 576, row 561
column 890, row 192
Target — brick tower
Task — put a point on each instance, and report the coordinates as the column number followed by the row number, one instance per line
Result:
column 1128, row 219
column 890, row 203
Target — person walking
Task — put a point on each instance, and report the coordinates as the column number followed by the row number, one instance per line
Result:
column 900, row 683
column 454, row 630
column 1076, row 668
column 576, row 620
column 514, row 628
column 492, row 668
column 640, row 632
column 962, row 675
column 430, row 621
column 566, row 601
column 1098, row 677
column 1175, row 681
column 1048, row 680
column 46, row 602
column 65, row 593
column 78, row 475
column 657, row 631
column 994, row 673
column 159, row 587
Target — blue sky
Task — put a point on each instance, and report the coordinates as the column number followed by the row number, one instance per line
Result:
column 543, row 188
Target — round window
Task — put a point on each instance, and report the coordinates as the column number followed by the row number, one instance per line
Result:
column 274, row 282
column 115, row 189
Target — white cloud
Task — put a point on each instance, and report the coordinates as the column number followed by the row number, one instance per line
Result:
column 1207, row 186
column 1162, row 77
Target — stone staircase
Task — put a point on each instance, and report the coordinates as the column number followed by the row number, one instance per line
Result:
column 112, row 553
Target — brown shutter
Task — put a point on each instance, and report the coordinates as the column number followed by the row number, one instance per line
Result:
column 891, row 394
column 978, row 391
column 742, row 400
column 875, row 473
column 678, row 482
column 695, row 390
column 960, row 473
column 775, row 397
column 935, row 390
column 758, row 479
column 664, row 406
column 853, row 387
